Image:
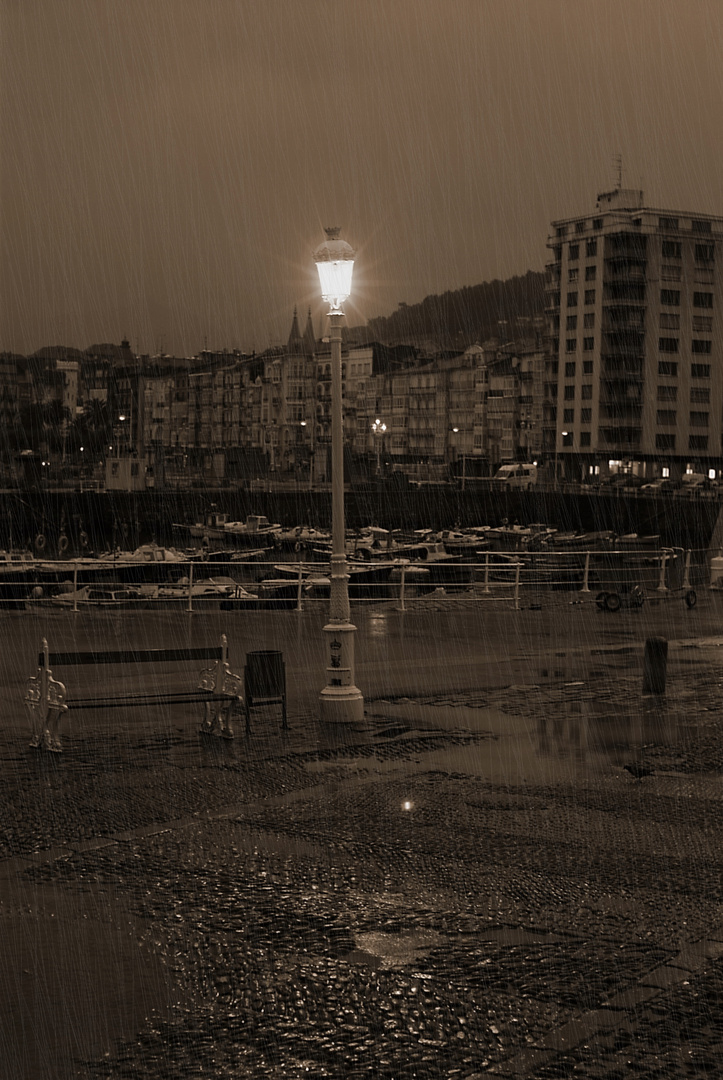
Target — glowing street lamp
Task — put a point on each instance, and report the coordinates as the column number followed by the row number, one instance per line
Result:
column 340, row 700
column 564, row 435
column 378, row 428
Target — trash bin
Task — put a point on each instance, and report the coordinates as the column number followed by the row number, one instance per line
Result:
column 265, row 680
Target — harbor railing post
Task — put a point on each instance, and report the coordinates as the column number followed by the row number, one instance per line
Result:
column 486, row 588
column 686, row 572
column 517, row 586
column 190, row 589
column 298, row 591
column 662, row 587
column 586, row 574
column 75, row 587
column 401, row 589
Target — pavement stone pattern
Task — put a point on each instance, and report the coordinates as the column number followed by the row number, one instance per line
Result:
column 352, row 908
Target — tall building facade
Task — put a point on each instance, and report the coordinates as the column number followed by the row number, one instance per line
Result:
column 634, row 374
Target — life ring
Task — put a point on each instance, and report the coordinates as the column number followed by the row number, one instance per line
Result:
column 63, row 543
column 40, row 542
column 612, row 602
column 84, row 539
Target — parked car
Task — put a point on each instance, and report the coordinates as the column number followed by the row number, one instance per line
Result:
column 662, row 486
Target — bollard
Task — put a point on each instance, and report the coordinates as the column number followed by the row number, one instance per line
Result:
column 654, row 665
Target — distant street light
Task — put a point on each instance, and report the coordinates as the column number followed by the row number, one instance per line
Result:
column 378, row 428
column 340, row 700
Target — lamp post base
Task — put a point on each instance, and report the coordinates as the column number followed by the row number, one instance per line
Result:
column 340, row 702
column 341, row 705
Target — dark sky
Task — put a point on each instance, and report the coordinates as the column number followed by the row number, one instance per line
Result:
column 168, row 165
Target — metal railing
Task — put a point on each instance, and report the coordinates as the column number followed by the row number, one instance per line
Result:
column 198, row 584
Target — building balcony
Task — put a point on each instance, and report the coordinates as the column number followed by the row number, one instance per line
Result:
column 619, row 412
column 624, row 292
column 619, row 437
column 622, row 368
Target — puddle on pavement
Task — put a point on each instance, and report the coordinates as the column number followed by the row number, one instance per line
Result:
column 77, row 974
column 382, row 950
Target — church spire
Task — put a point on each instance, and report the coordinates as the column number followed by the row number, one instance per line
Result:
column 295, row 340
column 309, row 338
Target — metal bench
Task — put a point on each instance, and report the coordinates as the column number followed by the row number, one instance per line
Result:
column 218, row 688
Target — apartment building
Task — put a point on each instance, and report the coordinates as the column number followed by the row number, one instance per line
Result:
column 634, row 373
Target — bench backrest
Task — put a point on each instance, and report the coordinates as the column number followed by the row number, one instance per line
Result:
column 131, row 656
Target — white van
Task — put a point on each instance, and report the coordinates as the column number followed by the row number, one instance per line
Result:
column 520, row 476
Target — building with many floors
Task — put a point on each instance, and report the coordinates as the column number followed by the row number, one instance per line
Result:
column 634, row 374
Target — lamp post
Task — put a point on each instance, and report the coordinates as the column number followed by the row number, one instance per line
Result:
column 563, row 434
column 378, row 428
column 340, row 700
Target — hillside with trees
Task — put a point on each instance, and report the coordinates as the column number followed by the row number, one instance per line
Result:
column 459, row 318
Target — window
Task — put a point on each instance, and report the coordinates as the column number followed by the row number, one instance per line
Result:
column 589, row 296
column 570, row 369
column 587, row 367
column 571, row 322
column 567, row 439
column 597, row 223
column 666, row 417
column 586, row 392
column 699, row 226
column 572, row 299
column 701, row 323
column 671, row 297
column 668, row 344
column 699, row 419
column 669, row 321
column 579, row 226
column 703, row 299
column 590, row 273
column 668, row 367
column 574, row 251
column 667, row 393
column 697, row 442
column 700, row 371
column 670, row 273
column 699, row 395
column 572, row 274
column 669, row 223
column 585, row 416
column 588, row 344
column 569, row 393
column 664, row 442
column 704, row 253
column 671, row 249
column 591, row 249
column 557, row 252
column 584, row 438
column 588, row 320
column 568, row 416
column 571, row 345
column 699, row 346
column 561, row 230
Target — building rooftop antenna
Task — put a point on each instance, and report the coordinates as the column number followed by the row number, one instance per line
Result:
column 618, row 162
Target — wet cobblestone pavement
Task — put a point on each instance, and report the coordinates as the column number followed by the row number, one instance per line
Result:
column 384, row 905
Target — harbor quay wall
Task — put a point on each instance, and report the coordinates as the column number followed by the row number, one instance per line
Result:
column 102, row 520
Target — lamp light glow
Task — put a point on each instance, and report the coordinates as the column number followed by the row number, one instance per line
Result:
column 335, row 262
